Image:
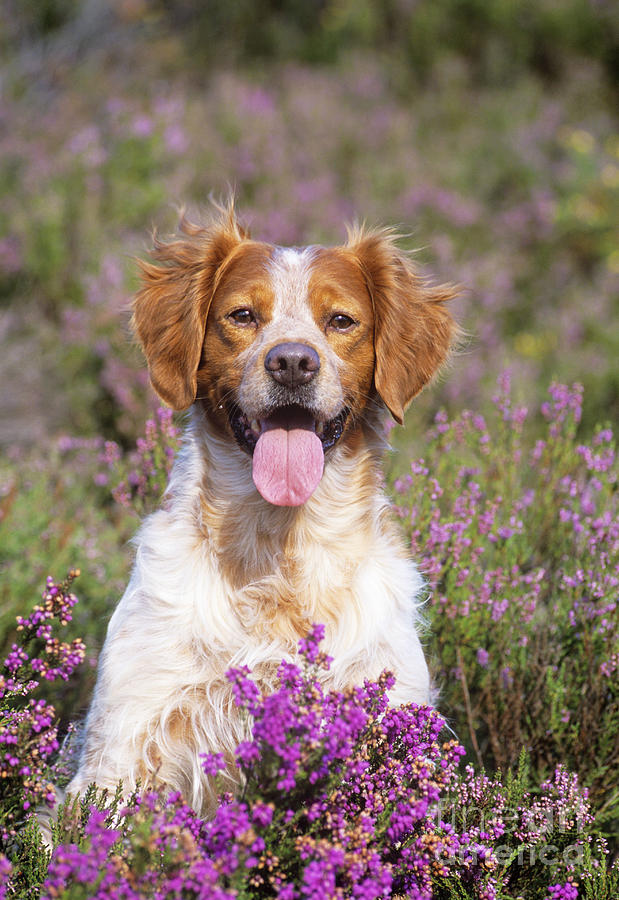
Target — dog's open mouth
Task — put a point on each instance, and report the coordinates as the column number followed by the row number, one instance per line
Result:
column 288, row 449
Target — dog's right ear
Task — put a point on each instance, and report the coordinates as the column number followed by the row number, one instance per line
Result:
column 171, row 308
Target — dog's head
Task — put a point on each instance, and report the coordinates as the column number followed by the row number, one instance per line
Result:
column 288, row 351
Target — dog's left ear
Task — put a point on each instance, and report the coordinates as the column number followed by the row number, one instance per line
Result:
column 171, row 308
column 413, row 330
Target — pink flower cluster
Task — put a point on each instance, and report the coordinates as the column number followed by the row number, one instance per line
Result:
column 144, row 473
column 28, row 726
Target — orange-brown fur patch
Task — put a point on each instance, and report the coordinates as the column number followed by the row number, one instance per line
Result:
column 170, row 310
column 414, row 331
column 337, row 286
column 242, row 282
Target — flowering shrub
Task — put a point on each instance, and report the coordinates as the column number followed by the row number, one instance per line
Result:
column 138, row 477
column 343, row 797
column 28, row 727
column 141, row 476
column 519, row 539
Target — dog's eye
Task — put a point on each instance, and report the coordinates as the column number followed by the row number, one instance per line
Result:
column 341, row 322
column 242, row 317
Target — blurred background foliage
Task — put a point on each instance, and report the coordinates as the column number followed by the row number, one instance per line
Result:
column 486, row 130
column 497, row 38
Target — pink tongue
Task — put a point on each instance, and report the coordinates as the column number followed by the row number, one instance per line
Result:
column 288, row 463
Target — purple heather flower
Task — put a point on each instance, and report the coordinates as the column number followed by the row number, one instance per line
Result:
column 565, row 891
column 5, row 873
column 482, row 657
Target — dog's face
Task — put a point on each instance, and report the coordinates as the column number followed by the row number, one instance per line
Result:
column 288, row 360
column 288, row 351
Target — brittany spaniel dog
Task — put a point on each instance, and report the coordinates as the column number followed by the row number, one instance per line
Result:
column 275, row 516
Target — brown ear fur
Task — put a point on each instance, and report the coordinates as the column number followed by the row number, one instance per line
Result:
column 413, row 331
column 170, row 310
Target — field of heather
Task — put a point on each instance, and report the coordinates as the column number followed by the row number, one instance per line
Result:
column 486, row 133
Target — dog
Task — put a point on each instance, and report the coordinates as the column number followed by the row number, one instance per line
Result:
column 275, row 516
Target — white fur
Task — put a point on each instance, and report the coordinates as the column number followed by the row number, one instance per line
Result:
column 180, row 624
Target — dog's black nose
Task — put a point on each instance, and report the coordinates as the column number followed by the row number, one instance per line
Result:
column 292, row 364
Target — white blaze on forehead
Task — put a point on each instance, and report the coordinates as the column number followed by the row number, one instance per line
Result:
column 290, row 272
column 292, row 319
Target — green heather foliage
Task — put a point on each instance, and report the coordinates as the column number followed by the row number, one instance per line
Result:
column 518, row 536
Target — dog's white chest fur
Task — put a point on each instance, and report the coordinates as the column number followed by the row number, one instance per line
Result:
column 188, row 613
